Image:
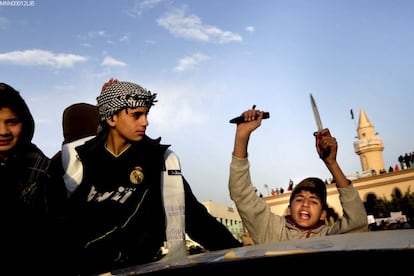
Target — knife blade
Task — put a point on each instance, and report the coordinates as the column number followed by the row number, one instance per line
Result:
column 316, row 113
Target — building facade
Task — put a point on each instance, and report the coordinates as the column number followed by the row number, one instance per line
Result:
column 228, row 216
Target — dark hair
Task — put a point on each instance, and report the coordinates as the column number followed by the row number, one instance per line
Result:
column 313, row 185
column 11, row 98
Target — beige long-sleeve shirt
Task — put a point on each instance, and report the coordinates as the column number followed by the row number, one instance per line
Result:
column 264, row 226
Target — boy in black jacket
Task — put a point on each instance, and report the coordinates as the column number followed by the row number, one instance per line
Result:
column 119, row 210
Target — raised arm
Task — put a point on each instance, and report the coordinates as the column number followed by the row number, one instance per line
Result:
column 354, row 217
column 327, row 148
column 253, row 119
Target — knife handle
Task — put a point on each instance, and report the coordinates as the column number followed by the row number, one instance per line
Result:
column 240, row 119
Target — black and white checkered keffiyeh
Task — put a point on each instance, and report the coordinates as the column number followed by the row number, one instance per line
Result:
column 121, row 95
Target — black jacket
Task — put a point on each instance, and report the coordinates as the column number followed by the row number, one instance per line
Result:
column 27, row 198
column 115, row 224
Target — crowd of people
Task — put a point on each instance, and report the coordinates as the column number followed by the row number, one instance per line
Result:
column 406, row 160
column 113, row 197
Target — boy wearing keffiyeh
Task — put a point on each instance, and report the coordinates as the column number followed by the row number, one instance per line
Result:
column 116, row 214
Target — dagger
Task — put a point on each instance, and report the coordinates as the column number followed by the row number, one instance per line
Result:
column 316, row 113
column 318, row 121
column 240, row 119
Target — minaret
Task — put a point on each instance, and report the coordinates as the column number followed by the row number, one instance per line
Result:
column 369, row 146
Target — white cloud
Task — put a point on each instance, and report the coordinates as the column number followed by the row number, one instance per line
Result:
column 189, row 62
column 188, row 107
column 87, row 45
column 110, row 61
column 95, row 34
column 124, row 38
column 250, row 29
column 37, row 57
column 141, row 6
column 191, row 27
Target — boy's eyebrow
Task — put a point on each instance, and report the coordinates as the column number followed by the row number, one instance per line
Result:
column 13, row 119
column 138, row 113
column 311, row 196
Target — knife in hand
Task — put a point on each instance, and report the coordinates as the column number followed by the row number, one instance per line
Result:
column 316, row 113
column 318, row 122
column 240, row 119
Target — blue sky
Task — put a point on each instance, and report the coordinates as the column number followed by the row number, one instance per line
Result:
column 210, row 60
